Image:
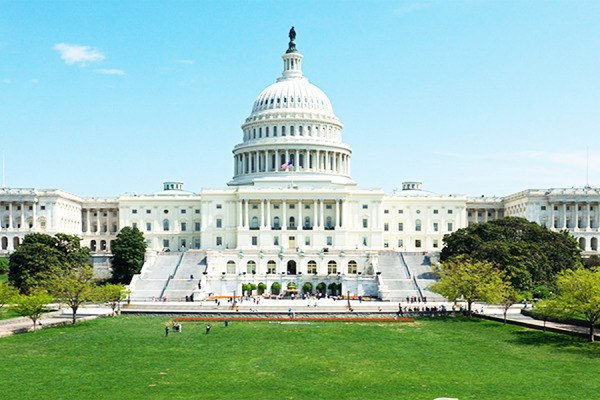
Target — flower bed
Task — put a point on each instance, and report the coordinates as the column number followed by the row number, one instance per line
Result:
column 201, row 319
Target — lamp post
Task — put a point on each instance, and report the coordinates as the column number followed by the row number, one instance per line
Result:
column 348, row 298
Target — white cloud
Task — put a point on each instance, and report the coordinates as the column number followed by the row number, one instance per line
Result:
column 110, row 71
column 186, row 61
column 6, row 81
column 34, row 81
column 73, row 53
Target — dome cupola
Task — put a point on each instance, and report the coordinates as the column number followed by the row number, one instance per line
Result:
column 292, row 133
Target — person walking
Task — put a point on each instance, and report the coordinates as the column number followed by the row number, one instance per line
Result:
column 207, row 329
column 166, row 331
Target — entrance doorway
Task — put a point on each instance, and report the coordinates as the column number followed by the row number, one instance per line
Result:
column 292, row 242
column 291, row 267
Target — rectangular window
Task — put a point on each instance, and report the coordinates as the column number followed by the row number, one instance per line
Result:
column 134, row 211
column 450, row 227
column 418, row 244
column 219, row 206
column 31, row 207
column 292, row 206
column 42, row 207
column 400, row 243
column 183, row 243
column 312, row 268
column 400, row 226
column 276, row 206
column 436, row 227
column 197, row 243
column 134, row 225
column 555, row 208
column 307, row 206
column 197, row 226
column 386, row 211
column 469, row 214
column 365, row 206
column 219, row 241
column 183, row 211
column 364, row 241
column 166, row 243
column 435, row 244
column 183, row 226
column 329, row 241
column 219, row 223
column 197, row 211
column 275, row 241
column 254, row 240
column 543, row 208
column 386, row 244
column 400, row 211
column 328, row 206
column 568, row 208
column 148, row 211
column 365, row 223
column 148, row 226
column 386, row 227
column 449, row 211
column 255, row 206
column 307, row 241
column 149, row 243
column 435, row 211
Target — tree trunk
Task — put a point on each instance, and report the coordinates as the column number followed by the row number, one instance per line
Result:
column 34, row 321
column 544, row 325
column 592, row 332
column 74, row 308
column 505, row 316
column 469, row 309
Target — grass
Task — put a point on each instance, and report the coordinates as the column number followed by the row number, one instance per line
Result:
column 7, row 314
column 130, row 358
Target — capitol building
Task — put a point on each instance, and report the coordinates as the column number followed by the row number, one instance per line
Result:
column 290, row 215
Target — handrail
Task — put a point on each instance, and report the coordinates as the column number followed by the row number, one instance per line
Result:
column 172, row 275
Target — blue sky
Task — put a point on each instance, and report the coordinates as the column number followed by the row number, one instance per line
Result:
column 479, row 97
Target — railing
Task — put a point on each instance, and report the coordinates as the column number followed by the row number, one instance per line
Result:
column 172, row 275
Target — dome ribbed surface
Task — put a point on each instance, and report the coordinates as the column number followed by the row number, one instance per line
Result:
column 293, row 94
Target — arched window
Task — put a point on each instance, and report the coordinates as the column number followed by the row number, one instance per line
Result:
column 93, row 245
column 255, row 222
column 251, row 267
column 271, row 267
column 103, row 245
column 418, row 225
column 332, row 267
column 352, row 267
column 231, row 267
column 166, row 225
column 283, row 131
column 582, row 243
column 312, row 267
column 276, row 223
column 292, row 222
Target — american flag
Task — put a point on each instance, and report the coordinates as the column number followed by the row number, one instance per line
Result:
column 287, row 165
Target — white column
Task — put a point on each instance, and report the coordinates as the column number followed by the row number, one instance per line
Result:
column 262, row 213
column 318, row 162
column 344, row 218
column 551, row 215
column 297, row 161
column 287, row 155
column 576, row 207
column 339, row 214
column 300, row 223
column 22, row 215
column 246, row 216
column 10, row 215
column 277, row 163
column 34, row 216
column 284, row 222
column 321, row 216
column 240, row 215
column 588, row 224
column 268, row 225
column 564, row 216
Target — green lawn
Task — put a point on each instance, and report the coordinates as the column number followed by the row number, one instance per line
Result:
column 130, row 358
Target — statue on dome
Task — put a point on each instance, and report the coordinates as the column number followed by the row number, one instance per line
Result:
column 292, row 34
column 292, row 45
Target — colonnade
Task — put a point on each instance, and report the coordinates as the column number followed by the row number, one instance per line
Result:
column 496, row 213
column 9, row 219
column 98, row 219
column 321, row 161
column 316, row 214
column 580, row 213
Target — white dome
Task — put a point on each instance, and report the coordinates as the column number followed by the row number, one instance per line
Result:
column 292, row 93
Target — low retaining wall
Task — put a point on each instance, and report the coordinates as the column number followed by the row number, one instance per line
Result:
column 285, row 314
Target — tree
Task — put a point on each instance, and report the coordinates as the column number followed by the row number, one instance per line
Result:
column 39, row 254
column 464, row 278
column 307, row 287
column 111, row 294
column 592, row 261
column 128, row 251
column 545, row 310
column 275, row 287
column 261, row 288
column 7, row 295
column 32, row 306
column 74, row 286
column 509, row 297
column 579, row 295
column 529, row 255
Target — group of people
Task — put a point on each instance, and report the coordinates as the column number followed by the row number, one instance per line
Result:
column 416, row 299
column 402, row 310
column 177, row 327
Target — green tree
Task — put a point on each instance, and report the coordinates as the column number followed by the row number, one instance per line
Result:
column 545, row 310
column 128, row 251
column 111, row 294
column 261, row 288
column 275, row 287
column 39, row 254
column 32, row 306
column 529, row 254
column 463, row 278
column 307, row 287
column 592, row 261
column 7, row 294
column 73, row 286
column 508, row 297
column 579, row 295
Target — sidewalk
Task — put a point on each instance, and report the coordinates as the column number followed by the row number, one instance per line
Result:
column 15, row 326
